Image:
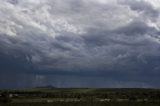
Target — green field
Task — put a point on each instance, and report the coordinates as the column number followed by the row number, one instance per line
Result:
column 80, row 97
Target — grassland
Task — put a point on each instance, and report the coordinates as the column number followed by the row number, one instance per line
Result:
column 80, row 97
column 82, row 104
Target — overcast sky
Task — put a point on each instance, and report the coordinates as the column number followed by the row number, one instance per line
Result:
column 79, row 43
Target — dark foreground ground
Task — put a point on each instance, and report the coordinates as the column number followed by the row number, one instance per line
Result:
column 83, row 104
column 48, row 96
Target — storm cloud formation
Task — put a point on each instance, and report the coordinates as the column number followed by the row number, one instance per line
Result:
column 84, row 43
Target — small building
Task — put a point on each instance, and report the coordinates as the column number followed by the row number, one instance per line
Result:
column 105, row 100
column 10, row 95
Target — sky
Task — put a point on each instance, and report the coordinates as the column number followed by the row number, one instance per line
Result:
column 80, row 43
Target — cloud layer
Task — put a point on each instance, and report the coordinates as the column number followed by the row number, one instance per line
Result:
column 66, row 43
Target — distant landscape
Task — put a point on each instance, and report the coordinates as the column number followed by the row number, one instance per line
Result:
column 51, row 96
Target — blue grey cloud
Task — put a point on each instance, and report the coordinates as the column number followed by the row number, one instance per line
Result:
column 64, row 43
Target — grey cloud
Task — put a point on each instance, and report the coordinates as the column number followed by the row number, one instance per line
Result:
column 142, row 7
column 85, row 39
column 136, row 28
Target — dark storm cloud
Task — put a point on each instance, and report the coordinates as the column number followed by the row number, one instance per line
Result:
column 60, row 41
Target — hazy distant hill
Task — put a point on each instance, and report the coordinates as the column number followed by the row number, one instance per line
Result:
column 45, row 87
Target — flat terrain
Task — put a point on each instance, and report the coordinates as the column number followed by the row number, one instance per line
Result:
column 48, row 96
column 82, row 104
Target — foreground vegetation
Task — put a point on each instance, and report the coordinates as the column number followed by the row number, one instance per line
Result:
column 83, row 104
column 79, row 97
